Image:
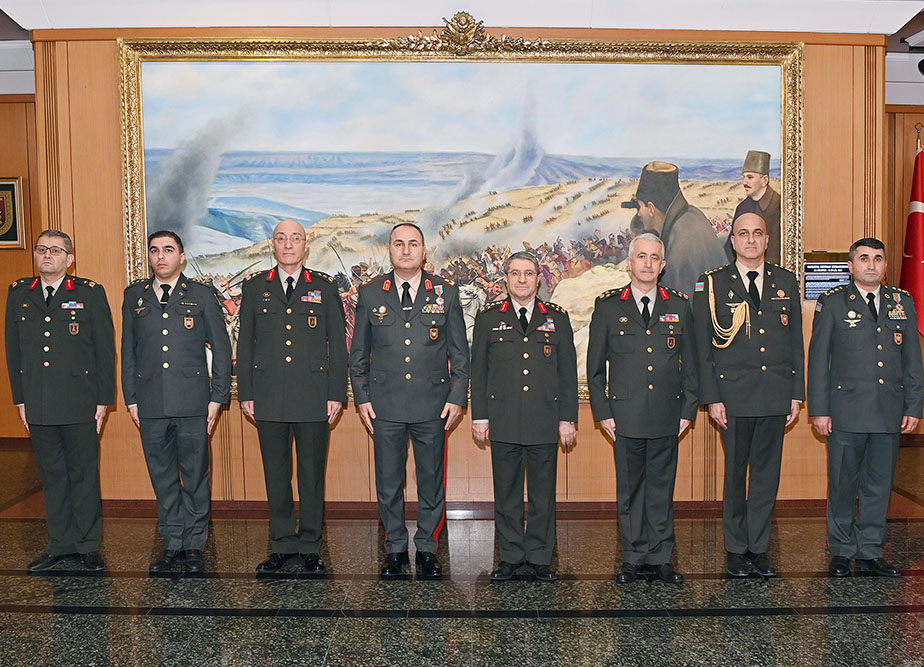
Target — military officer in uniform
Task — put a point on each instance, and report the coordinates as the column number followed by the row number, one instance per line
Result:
column 409, row 370
column 167, row 323
column 748, row 322
column 292, row 380
column 524, row 401
column 60, row 354
column 865, row 387
column 644, row 333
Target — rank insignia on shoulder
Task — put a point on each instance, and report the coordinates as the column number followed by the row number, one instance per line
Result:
column 312, row 297
column 669, row 317
column 699, row 287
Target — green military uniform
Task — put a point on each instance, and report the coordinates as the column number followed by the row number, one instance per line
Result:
column 524, row 382
column 866, row 375
column 752, row 360
column 652, row 385
column 292, row 360
column 61, row 362
column 165, row 373
column 409, row 364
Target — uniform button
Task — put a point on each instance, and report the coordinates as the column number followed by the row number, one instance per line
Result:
column 442, row 379
column 46, row 348
column 881, row 381
column 264, row 310
column 880, row 364
column 526, row 355
column 47, row 334
column 648, row 331
column 288, row 327
column 289, row 343
column 165, row 331
column 879, row 347
column 46, row 364
column 721, row 376
column 288, row 311
column 407, row 360
column 407, row 377
column 650, row 350
column 878, row 329
column 288, row 360
column 525, row 340
column 838, row 386
column 48, row 318
column 763, row 349
column 622, row 333
column 763, row 368
column 762, row 331
column 165, row 348
column 407, row 325
column 525, row 387
column 525, row 371
column 650, row 387
column 165, row 315
column 651, row 368
column 407, row 341
column 760, row 312
column 166, row 364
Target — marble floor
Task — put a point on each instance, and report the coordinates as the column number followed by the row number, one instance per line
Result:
column 350, row 617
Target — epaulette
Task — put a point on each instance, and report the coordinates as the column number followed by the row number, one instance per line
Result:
column 137, row 281
column 718, row 268
column 445, row 280
column 678, row 293
column 372, row 280
column 835, row 289
column 322, row 275
column 21, row 281
column 202, row 280
column 493, row 304
column 251, row 276
column 85, row 281
column 555, row 306
column 610, row 292
column 899, row 289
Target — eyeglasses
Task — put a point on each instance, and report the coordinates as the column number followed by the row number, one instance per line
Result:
column 516, row 273
column 294, row 238
column 57, row 251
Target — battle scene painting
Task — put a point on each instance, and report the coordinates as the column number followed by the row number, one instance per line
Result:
column 488, row 158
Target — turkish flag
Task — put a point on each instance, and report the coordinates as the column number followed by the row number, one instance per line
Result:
column 913, row 259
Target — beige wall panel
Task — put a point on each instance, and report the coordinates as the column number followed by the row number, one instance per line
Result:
column 349, row 460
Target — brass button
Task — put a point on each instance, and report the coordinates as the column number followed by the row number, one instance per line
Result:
column 763, row 349
column 879, row 347
column 881, row 381
column 407, row 377
column 650, row 387
column 525, row 371
column 622, row 333
column 526, row 355
column 165, row 348
column 288, row 360
column 760, row 312
column 407, row 341
column 47, row 334
column 648, row 331
column 525, row 339
column 264, row 310
column 878, row 329
column 46, row 364
column 289, row 343
column 288, row 327
column 721, row 376
column 407, row 325
column 525, row 387
column 762, row 331
column 288, row 311
column 880, row 364
column 838, row 386
column 407, row 360
column 165, row 315
column 442, row 379
column 165, row 331
column 166, row 364
column 650, row 350
column 48, row 318
column 763, row 368
column 46, row 348
column 651, row 368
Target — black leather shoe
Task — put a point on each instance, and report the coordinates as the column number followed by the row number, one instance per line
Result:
column 166, row 561
column 427, row 565
column 274, row 562
column 46, row 562
column 839, row 566
column 628, row 572
column 668, row 574
column 92, row 562
column 738, row 565
column 761, row 565
column 877, row 566
column 195, row 563
column 504, row 571
column 394, row 564
column 542, row 572
column 314, row 564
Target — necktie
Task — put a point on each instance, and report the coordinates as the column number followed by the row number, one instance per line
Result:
column 752, row 289
column 50, row 292
column 871, row 300
column 165, row 295
column 523, row 321
column 406, row 296
column 290, row 286
column 646, row 314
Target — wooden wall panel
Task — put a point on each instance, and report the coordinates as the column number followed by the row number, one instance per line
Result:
column 78, row 107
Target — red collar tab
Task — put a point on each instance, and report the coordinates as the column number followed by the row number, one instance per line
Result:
column 271, row 274
column 542, row 308
column 35, row 283
column 625, row 294
column 664, row 295
column 428, row 284
column 505, row 306
column 68, row 283
column 386, row 285
column 307, row 275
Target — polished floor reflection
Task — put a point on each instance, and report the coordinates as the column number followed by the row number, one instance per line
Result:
column 350, row 617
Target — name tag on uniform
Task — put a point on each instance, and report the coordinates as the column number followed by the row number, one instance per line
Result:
column 669, row 317
column 548, row 326
column 72, row 305
column 312, row 297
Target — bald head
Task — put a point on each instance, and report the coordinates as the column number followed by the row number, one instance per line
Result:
column 290, row 244
column 749, row 239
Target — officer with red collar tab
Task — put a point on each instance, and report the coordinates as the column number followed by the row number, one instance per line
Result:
column 644, row 333
column 409, row 369
column 292, row 380
column 60, row 354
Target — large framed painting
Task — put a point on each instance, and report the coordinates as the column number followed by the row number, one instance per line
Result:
column 490, row 144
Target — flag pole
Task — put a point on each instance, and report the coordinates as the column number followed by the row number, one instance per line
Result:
column 918, row 127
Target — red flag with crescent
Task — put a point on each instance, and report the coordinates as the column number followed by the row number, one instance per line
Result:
column 913, row 257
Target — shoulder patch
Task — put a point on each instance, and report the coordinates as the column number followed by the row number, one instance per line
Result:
column 555, row 306
column 489, row 306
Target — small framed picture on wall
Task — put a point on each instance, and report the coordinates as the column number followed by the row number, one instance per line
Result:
column 11, row 228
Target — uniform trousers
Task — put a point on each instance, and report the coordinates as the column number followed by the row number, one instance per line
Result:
column 67, row 457
column 429, row 441
column 755, row 442
column 311, row 440
column 540, row 464
column 860, row 465
column 646, row 470
column 176, row 450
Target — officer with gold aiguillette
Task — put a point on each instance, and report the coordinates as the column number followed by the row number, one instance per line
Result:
column 748, row 322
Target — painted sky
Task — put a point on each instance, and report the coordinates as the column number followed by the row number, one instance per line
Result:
column 605, row 110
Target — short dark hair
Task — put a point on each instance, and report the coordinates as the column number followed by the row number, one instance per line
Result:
column 58, row 234
column 166, row 233
column 407, row 224
column 868, row 242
